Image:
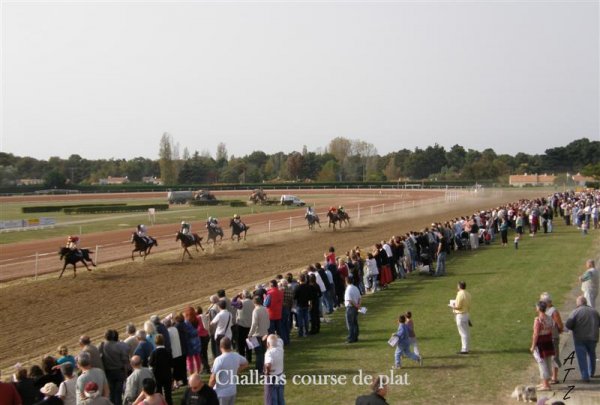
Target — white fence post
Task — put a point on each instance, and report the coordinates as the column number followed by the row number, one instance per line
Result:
column 97, row 248
column 269, row 226
column 290, row 224
column 358, row 215
column 36, row 264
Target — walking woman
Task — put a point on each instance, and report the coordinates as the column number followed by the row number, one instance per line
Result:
column 541, row 344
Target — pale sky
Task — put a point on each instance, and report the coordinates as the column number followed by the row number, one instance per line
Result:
column 106, row 79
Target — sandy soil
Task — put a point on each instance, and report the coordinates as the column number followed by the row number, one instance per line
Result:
column 39, row 315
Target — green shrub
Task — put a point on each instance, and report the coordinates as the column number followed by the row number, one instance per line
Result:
column 237, row 203
column 58, row 208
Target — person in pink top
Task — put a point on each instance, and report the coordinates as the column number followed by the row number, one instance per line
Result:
column 204, row 339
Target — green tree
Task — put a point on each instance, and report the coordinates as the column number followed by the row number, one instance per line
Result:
column 328, row 172
column 54, row 179
column 168, row 172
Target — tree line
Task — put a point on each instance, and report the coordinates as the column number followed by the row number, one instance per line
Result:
column 343, row 160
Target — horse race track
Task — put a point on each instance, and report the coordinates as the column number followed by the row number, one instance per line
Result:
column 39, row 315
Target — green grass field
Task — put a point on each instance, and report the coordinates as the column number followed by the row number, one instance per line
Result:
column 505, row 284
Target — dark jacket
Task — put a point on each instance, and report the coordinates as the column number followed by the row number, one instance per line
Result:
column 206, row 396
column 371, row 399
column 160, row 362
column 162, row 329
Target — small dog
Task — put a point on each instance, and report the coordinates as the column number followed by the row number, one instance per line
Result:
column 525, row 393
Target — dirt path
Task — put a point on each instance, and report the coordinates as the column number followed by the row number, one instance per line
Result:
column 37, row 316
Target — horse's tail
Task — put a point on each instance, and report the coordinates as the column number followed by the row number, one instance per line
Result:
column 155, row 241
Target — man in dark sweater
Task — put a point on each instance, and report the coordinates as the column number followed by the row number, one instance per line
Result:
column 377, row 397
column 584, row 321
column 199, row 393
column 302, row 295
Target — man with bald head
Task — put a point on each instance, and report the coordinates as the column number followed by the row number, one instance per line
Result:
column 584, row 321
column 199, row 393
column 133, row 385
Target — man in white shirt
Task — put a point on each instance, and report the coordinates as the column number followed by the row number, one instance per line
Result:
column 275, row 380
column 226, row 366
column 222, row 322
column 352, row 303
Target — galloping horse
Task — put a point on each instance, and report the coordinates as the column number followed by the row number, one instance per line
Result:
column 142, row 245
column 333, row 219
column 344, row 218
column 72, row 257
column 312, row 220
column 213, row 233
column 187, row 241
column 238, row 229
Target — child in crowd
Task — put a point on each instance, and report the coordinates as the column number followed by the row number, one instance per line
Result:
column 403, row 345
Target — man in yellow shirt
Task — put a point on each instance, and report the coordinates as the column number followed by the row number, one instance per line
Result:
column 462, row 306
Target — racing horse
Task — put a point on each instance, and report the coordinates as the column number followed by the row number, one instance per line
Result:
column 142, row 245
column 188, row 240
column 73, row 257
column 312, row 219
column 334, row 218
column 238, row 229
column 344, row 218
column 213, row 233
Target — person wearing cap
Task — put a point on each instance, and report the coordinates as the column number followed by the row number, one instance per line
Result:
column 199, row 393
column 68, row 388
column 49, row 390
column 93, row 396
column 9, row 394
column 90, row 374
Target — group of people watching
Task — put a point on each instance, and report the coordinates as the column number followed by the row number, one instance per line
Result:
column 256, row 325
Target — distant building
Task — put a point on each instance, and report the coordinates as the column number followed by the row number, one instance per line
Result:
column 581, row 180
column 29, row 182
column 151, row 180
column 520, row 180
column 113, row 180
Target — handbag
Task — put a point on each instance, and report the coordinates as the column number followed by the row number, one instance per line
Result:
column 221, row 336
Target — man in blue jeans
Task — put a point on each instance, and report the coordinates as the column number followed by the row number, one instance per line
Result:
column 352, row 303
column 584, row 321
column 302, row 296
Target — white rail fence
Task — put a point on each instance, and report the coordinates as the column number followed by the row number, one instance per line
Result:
column 116, row 250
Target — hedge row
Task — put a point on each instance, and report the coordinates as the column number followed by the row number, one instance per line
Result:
column 115, row 208
column 237, row 203
column 202, row 203
column 58, row 208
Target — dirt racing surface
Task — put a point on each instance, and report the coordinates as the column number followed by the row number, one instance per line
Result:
column 37, row 316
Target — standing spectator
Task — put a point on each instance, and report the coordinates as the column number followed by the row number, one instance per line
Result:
column 222, row 297
column 149, row 396
column 352, row 303
column 49, row 390
column 26, row 387
column 144, row 348
column 161, row 329
column 51, row 373
column 222, row 322
column 115, row 361
column 244, row 305
column 504, row 231
column 199, row 393
column 212, row 311
column 315, row 305
column 259, row 329
column 133, row 386
column 286, row 310
column 403, row 345
column 590, row 283
column 179, row 363
column 557, row 329
column 302, row 297
column 462, row 306
column 584, row 321
column 9, row 394
column 541, row 344
column 204, row 335
column 130, row 340
column 90, row 374
column 225, row 366
column 177, row 359
column 194, row 346
column 86, row 346
column 63, row 352
column 377, row 396
column 274, row 384
column 440, row 268
column 68, row 388
column 160, row 363
column 274, row 304
column 150, row 330
column 371, row 273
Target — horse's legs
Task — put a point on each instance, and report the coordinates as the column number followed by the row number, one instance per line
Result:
column 75, row 270
column 63, row 270
column 86, row 266
column 132, row 252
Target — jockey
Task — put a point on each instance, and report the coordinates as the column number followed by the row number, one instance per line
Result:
column 73, row 244
column 309, row 211
column 333, row 210
column 143, row 233
column 186, row 228
column 341, row 211
column 212, row 222
column 237, row 219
